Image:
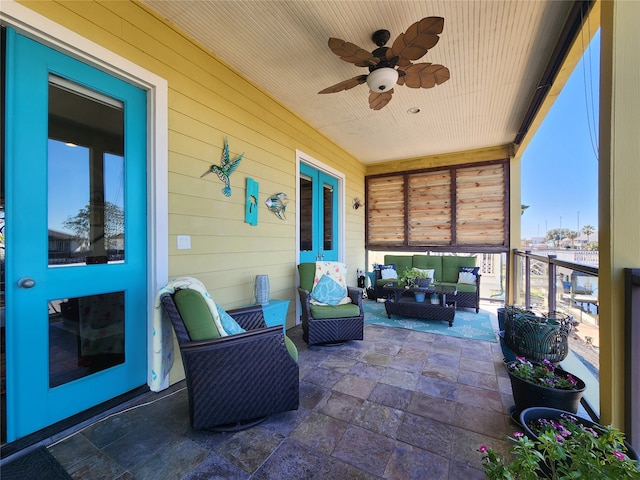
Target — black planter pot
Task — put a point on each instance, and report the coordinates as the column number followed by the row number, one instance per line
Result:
column 423, row 282
column 527, row 394
column 535, row 413
column 508, row 355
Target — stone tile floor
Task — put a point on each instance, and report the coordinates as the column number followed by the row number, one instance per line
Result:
column 398, row 405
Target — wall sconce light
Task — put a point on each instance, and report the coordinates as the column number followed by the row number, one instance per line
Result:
column 356, row 203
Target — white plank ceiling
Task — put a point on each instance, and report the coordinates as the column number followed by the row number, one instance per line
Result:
column 496, row 52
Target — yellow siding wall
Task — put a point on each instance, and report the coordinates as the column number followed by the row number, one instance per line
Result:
column 208, row 101
column 619, row 193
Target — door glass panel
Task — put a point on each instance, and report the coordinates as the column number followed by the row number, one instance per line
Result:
column 327, row 197
column 306, row 216
column 86, row 335
column 85, row 175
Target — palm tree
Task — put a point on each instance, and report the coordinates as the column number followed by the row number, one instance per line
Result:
column 572, row 236
column 588, row 230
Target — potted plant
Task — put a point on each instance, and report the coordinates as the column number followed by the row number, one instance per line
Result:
column 537, row 336
column 415, row 277
column 559, row 445
column 543, row 385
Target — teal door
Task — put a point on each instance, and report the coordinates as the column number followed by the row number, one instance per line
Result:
column 75, row 236
column 318, row 215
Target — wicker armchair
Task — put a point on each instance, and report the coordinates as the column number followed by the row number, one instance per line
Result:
column 236, row 381
column 329, row 324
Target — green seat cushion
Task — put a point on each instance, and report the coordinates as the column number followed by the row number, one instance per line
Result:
column 320, row 312
column 195, row 315
column 451, row 267
column 291, row 348
column 461, row 287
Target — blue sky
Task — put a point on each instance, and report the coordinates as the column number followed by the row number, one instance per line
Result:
column 69, row 166
column 559, row 167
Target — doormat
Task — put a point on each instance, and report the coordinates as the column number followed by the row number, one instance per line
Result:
column 476, row 326
column 35, row 465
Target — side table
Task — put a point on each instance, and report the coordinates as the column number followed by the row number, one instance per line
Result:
column 275, row 313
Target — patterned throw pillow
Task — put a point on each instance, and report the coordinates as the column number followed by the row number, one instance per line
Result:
column 468, row 275
column 328, row 291
column 388, row 272
column 228, row 323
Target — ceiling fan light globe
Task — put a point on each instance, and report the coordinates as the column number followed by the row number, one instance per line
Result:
column 382, row 79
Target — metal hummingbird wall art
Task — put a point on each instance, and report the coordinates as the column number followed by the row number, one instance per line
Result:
column 226, row 168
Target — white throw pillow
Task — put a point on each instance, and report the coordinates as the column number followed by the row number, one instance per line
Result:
column 388, row 273
column 467, row 277
column 429, row 271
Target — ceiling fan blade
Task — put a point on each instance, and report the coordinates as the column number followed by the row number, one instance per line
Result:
column 417, row 40
column 352, row 53
column 379, row 100
column 345, row 84
column 424, row 75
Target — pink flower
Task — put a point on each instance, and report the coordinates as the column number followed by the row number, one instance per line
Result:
column 518, row 434
column 483, row 449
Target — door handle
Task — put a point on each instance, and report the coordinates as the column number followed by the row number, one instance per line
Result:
column 26, row 282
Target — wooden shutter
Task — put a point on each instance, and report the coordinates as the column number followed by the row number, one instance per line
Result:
column 457, row 208
column 385, row 211
column 429, row 208
column 480, row 205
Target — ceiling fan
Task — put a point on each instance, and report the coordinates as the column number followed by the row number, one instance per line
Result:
column 391, row 65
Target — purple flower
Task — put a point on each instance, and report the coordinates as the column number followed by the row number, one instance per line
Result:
column 618, row 455
column 518, row 434
column 591, row 431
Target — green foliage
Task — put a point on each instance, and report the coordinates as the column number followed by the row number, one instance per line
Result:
column 79, row 224
column 565, row 449
column 410, row 276
column 544, row 374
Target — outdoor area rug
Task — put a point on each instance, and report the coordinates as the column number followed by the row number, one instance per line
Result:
column 466, row 324
column 38, row 464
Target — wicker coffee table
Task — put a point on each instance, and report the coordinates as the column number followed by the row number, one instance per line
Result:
column 401, row 301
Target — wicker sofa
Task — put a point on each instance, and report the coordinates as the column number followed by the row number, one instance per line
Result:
column 446, row 272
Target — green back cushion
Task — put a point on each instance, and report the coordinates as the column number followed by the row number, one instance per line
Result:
column 430, row 262
column 195, row 314
column 307, row 273
column 451, row 267
column 401, row 262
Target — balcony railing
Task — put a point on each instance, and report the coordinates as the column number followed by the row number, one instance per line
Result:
column 546, row 282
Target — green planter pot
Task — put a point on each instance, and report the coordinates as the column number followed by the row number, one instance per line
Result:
column 528, row 394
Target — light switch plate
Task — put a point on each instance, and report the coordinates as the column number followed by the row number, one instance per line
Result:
column 184, row 242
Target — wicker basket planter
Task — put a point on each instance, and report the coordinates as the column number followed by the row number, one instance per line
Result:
column 537, row 337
